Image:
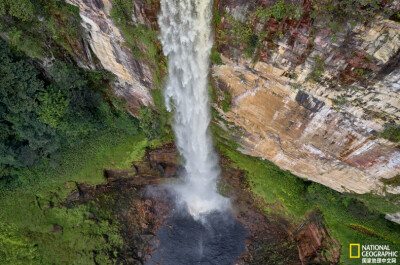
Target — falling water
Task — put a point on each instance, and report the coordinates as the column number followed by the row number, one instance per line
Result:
column 187, row 40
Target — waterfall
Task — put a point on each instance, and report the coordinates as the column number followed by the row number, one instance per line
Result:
column 186, row 37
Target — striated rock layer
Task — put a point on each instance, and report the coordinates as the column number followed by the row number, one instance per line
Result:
column 134, row 78
column 324, row 131
column 303, row 134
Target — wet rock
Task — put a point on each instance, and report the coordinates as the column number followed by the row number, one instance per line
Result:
column 166, row 154
column 170, row 171
column 313, row 239
column 147, row 237
column 85, row 191
column 113, row 174
column 73, row 196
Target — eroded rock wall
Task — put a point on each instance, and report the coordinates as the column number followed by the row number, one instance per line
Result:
column 325, row 131
column 134, row 78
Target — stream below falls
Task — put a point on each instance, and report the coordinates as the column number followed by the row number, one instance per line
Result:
column 215, row 239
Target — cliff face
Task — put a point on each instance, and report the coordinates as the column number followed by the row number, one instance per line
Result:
column 134, row 78
column 322, row 130
column 309, row 98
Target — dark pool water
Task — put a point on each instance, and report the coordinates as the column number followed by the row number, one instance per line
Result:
column 217, row 239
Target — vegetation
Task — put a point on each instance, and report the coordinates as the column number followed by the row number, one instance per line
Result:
column 281, row 15
column 318, row 70
column 395, row 181
column 339, row 100
column 226, row 103
column 279, row 10
column 42, row 28
column 141, row 40
column 45, row 123
column 59, row 129
column 215, row 56
column 26, row 221
column 40, row 116
column 350, row 217
column 341, row 11
column 391, row 132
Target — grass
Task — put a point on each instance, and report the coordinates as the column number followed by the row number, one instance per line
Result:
column 226, row 103
column 351, row 218
column 26, row 218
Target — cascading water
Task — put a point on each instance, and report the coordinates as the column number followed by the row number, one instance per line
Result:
column 187, row 41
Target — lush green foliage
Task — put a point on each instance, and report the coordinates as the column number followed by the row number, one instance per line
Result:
column 39, row 116
column 41, row 27
column 24, row 139
column 391, row 132
column 21, row 9
column 347, row 215
column 279, row 10
column 14, row 248
column 244, row 33
column 155, row 122
column 226, row 104
column 122, row 11
column 26, row 223
column 215, row 56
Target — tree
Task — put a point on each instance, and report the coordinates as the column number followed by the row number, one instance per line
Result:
column 24, row 138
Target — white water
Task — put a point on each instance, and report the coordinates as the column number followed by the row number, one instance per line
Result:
column 187, row 40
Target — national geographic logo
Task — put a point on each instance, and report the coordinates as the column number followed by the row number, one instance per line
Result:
column 354, row 248
column 373, row 254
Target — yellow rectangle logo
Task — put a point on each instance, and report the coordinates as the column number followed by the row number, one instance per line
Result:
column 354, row 254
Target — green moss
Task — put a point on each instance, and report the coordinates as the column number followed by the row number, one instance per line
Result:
column 391, row 132
column 215, row 56
column 140, row 39
column 395, row 181
column 339, row 100
column 155, row 123
column 347, row 215
column 217, row 17
column 50, row 29
column 279, row 10
column 226, row 103
column 318, row 69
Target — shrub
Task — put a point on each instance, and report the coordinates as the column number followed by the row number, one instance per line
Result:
column 215, row 56
column 391, row 132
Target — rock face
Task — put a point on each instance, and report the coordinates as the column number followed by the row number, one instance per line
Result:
column 303, row 133
column 321, row 130
column 134, row 78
